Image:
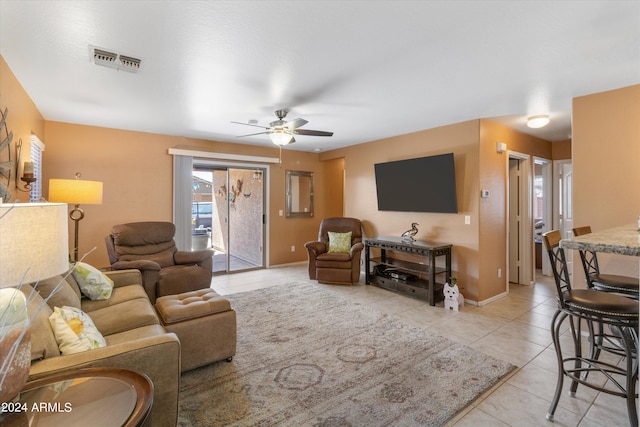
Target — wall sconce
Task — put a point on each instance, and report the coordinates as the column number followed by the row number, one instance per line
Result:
column 28, row 175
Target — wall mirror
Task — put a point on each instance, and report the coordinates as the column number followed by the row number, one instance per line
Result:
column 299, row 194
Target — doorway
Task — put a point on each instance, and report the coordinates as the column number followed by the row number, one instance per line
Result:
column 228, row 215
column 542, row 211
column 520, row 244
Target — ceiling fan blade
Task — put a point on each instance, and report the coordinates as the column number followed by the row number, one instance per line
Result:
column 249, row 124
column 252, row 134
column 312, row 132
column 293, row 124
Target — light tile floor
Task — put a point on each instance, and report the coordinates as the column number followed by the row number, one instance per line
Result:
column 514, row 329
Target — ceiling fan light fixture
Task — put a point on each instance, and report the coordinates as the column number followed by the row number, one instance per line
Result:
column 539, row 121
column 280, row 137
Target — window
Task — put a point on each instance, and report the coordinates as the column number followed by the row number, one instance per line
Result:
column 37, row 147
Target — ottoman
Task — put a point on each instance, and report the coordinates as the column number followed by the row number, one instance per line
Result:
column 204, row 322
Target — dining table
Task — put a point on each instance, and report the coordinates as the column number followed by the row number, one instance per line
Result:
column 622, row 240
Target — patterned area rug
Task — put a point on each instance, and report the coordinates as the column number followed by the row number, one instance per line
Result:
column 309, row 357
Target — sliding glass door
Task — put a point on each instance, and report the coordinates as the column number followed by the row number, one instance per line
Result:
column 228, row 215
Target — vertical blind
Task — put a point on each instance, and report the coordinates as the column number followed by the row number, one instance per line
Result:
column 182, row 181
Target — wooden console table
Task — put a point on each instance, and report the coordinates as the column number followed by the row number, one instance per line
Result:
column 422, row 278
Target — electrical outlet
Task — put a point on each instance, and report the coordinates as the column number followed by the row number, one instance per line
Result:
column 293, row 248
column 280, row 213
column 467, row 219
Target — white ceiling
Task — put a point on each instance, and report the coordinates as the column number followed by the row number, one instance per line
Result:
column 362, row 69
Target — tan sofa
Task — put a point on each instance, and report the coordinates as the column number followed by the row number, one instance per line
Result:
column 135, row 338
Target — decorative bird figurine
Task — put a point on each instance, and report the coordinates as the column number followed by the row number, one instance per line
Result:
column 408, row 235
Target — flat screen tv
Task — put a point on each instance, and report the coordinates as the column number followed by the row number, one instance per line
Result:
column 425, row 184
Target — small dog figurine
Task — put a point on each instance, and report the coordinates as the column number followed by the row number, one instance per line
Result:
column 452, row 297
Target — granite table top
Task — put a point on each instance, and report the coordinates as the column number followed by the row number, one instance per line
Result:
column 623, row 240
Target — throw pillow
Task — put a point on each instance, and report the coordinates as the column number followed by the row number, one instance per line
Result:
column 93, row 283
column 74, row 330
column 339, row 242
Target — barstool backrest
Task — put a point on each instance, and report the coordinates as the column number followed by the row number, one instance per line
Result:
column 589, row 258
column 558, row 264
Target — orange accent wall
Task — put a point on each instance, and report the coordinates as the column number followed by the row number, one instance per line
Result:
column 606, row 175
column 561, row 150
column 23, row 119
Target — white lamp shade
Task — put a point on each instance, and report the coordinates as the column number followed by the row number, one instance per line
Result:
column 34, row 242
column 75, row 191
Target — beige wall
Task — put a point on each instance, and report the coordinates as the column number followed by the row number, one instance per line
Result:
column 361, row 202
column 479, row 249
column 137, row 172
column 606, row 172
column 333, row 199
column 23, row 119
column 493, row 210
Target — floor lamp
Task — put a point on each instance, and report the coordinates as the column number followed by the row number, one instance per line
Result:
column 76, row 192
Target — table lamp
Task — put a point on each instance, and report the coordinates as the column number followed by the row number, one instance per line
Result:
column 76, row 192
column 34, row 245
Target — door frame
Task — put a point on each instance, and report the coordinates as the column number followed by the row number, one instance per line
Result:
column 549, row 205
column 558, row 166
column 199, row 162
column 526, row 243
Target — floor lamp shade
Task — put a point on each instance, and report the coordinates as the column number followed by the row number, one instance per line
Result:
column 34, row 242
column 75, row 191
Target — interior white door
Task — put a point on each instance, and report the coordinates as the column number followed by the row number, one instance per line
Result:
column 514, row 220
column 566, row 213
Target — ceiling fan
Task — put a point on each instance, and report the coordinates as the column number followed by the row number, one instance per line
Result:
column 281, row 132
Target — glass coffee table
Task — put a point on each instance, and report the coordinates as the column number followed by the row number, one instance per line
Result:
column 92, row 396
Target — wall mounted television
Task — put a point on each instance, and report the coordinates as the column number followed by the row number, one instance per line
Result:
column 425, row 184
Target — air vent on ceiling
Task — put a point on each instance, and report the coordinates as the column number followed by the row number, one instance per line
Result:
column 114, row 60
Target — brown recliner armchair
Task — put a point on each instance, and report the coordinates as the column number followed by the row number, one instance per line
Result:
column 336, row 267
column 150, row 248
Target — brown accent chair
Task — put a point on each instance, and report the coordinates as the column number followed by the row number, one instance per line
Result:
column 336, row 267
column 150, row 248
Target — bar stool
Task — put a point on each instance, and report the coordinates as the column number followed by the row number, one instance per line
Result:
column 624, row 285
column 619, row 313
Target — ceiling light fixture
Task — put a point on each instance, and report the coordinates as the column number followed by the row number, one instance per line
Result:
column 280, row 137
column 539, row 121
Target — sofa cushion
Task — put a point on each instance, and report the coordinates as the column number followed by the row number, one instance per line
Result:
column 43, row 342
column 333, row 260
column 92, row 282
column 74, row 330
column 118, row 296
column 135, row 334
column 339, row 242
column 124, row 316
column 65, row 295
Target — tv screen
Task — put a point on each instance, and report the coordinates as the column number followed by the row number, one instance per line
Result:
column 425, row 184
